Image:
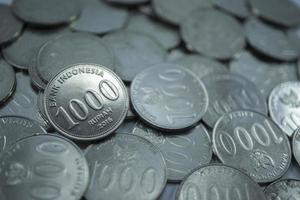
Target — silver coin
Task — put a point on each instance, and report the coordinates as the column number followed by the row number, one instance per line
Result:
column 238, row 8
column 166, row 35
column 269, row 41
column 183, row 152
column 125, row 167
column 134, row 51
column 43, row 167
column 70, row 49
column 36, row 80
column 284, row 106
column 200, row 65
column 212, row 33
column 229, row 92
column 296, row 145
column 86, row 102
column 288, row 189
column 7, row 81
column 98, row 17
column 285, row 13
column 219, row 182
column 169, row 97
column 41, row 108
column 175, row 11
column 254, row 143
column 46, row 12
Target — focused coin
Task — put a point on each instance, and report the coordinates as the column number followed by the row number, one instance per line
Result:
column 212, row 33
column 269, row 41
column 43, row 167
column 200, row 65
column 219, row 182
column 45, row 12
column 284, row 106
column 98, row 17
column 183, row 152
column 128, row 2
column 10, row 26
column 134, row 52
column 285, row 13
column 254, row 143
column 7, row 80
column 13, row 128
column 70, row 49
column 125, row 167
column 229, row 92
column 175, row 11
column 288, row 189
column 86, row 102
column 166, row 35
column 238, row 8
column 296, row 145
column 169, row 97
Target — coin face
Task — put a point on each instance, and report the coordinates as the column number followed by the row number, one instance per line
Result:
column 7, row 81
column 284, row 189
column 284, row 107
column 212, row 33
column 183, row 152
column 125, row 167
column 254, row 143
column 218, row 181
column 43, row 167
column 86, row 102
column 229, row 92
column 296, row 145
column 169, row 97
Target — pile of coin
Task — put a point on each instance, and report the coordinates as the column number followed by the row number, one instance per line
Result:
column 146, row 100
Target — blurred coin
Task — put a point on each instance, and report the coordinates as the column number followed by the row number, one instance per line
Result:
column 98, row 17
column 229, row 92
column 125, row 167
column 296, row 145
column 288, row 189
column 212, row 33
column 7, row 81
column 86, row 102
column 285, row 13
column 238, row 8
column 294, row 38
column 43, row 167
column 70, row 49
column 175, row 11
column 47, row 12
column 269, row 41
column 169, row 97
column 183, row 152
column 128, row 2
column 284, row 106
column 134, row 52
column 254, row 143
column 219, row 182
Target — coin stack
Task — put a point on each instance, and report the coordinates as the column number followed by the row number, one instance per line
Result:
column 150, row 100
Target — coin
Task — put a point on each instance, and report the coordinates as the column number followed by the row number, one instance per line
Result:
column 46, row 12
column 43, row 167
column 174, row 11
column 70, row 49
column 7, row 81
column 86, row 102
column 254, row 143
column 169, row 97
column 238, row 8
column 284, row 106
column 125, row 167
column 219, row 182
column 212, row 33
column 288, row 189
column 296, row 145
column 98, row 17
column 229, row 92
column 183, row 152
column 41, row 107
column 269, row 40
column 134, row 51
column 285, row 13
column 36, row 80
column 13, row 128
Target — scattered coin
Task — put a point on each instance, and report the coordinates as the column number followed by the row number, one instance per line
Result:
column 296, row 145
column 86, row 102
column 169, row 97
column 125, row 167
column 288, row 189
column 43, row 167
column 238, row 8
column 7, row 81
